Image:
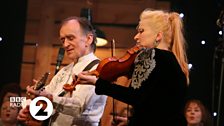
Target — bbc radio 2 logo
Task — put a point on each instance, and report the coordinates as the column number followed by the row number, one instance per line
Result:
column 41, row 108
column 17, row 101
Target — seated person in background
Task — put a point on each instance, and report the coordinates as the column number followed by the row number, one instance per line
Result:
column 9, row 114
column 9, row 90
column 122, row 118
column 197, row 114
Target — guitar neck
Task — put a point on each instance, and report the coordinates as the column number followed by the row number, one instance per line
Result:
column 41, row 83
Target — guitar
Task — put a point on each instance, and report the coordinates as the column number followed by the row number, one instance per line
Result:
column 38, row 86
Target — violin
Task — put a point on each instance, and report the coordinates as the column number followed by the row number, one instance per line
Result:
column 111, row 68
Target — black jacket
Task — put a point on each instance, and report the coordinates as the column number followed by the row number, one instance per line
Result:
column 160, row 97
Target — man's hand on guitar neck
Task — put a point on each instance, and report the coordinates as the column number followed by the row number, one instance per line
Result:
column 40, row 92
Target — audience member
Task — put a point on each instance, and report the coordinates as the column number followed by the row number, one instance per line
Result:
column 9, row 112
column 197, row 114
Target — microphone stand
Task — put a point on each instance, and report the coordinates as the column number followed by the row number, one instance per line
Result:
column 219, row 56
column 220, row 83
column 59, row 59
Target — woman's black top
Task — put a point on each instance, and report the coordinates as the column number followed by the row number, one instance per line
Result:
column 157, row 91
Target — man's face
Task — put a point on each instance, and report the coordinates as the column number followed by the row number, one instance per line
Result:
column 75, row 42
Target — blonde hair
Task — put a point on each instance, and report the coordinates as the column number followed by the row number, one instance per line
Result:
column 171, row 25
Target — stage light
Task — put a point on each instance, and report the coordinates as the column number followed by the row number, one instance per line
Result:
column 181, row 15
column 214, row 113
column 203, row 42
column 101, row 37
column 190, row 66
column 220, row 32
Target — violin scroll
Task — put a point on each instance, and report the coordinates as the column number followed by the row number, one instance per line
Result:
column 69, row 87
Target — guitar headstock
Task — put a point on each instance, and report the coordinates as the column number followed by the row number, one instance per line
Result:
column 41, row 83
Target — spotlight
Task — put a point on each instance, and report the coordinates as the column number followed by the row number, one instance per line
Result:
column 100, row 36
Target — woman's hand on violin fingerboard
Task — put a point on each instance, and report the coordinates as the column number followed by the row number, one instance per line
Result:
column 85, row 78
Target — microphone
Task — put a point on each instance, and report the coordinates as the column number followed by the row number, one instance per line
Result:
column 59, row 59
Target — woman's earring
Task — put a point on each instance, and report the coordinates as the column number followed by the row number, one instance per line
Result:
column 156, row 43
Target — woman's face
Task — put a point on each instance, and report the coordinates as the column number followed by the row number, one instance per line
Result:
column 8, row 113
column 193, row 114
column 145, row 36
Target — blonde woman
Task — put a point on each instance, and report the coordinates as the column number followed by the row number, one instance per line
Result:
column 160, row 76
